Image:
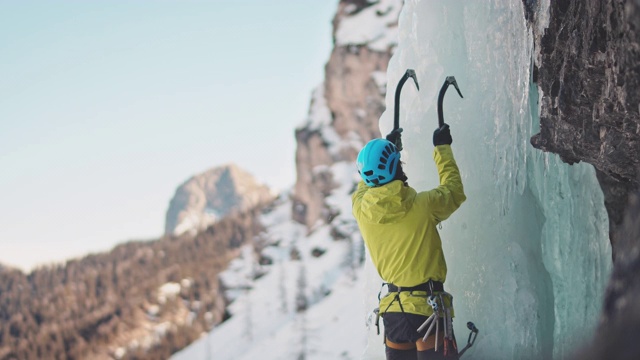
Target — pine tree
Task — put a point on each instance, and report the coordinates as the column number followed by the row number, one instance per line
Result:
column 282, row 289
column 302, row 303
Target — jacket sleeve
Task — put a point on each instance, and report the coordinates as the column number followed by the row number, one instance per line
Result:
column 356, row 197
column 446, row 198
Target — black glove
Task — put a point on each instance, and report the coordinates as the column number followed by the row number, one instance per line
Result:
column 394, row 137
column 442, row 136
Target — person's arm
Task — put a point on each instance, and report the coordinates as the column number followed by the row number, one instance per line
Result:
column 446, row 198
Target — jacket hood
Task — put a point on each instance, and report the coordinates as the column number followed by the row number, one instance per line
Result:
column 387, row 203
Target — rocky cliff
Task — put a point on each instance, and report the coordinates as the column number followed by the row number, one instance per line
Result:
column 344, row 109
column 588, row 70
column 207, row 197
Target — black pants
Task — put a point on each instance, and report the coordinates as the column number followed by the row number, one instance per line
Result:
column 401, row 328
column 413, row 354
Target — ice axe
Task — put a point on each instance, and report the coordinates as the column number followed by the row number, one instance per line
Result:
column 396, row 114
column 450, row 80
column 410, row 73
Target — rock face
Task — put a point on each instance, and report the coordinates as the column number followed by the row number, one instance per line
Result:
column 207, row 197
column 620, row 322
column 345, row 109
column 589, row 73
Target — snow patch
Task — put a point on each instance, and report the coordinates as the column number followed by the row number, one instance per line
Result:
column 319, row 113
column 168, row 291
column 153, row 310
column 375, row 26
column 380, row 78
column 120, row 353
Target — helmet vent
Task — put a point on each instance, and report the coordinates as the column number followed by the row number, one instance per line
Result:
column 381, row 167
column 383, row 160
column 368, row 173
column 391, row 166
column 385, row 154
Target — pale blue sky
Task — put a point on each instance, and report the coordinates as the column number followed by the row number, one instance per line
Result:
column 107, row 106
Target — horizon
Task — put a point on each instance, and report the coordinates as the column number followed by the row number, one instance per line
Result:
column 107, row 108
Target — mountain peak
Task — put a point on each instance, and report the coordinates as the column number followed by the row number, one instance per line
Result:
column 207, row 197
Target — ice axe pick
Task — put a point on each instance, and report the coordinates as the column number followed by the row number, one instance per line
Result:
column 450, row 80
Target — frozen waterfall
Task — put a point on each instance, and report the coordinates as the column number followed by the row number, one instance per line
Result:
column 528, row 253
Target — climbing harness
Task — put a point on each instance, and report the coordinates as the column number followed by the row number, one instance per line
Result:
column 442, row 304
column 429, row 287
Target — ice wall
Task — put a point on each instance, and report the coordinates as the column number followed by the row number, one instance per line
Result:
column 528, row 253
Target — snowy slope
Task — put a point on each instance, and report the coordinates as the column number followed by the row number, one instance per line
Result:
column 266, row 322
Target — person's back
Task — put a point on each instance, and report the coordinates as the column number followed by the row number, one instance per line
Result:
column 399, row 226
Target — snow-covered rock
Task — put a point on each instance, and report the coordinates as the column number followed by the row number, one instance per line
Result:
column 346, row 107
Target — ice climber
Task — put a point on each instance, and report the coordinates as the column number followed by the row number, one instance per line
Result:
column 398, row 225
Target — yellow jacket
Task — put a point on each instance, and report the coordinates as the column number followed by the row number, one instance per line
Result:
column 398, row 225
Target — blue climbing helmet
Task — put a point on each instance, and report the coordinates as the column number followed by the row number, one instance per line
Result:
column 378, row 162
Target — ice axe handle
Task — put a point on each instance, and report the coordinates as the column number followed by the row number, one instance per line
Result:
column 396, row 111
column 450, row 80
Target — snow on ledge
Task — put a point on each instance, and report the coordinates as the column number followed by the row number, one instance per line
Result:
column 375, row 26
